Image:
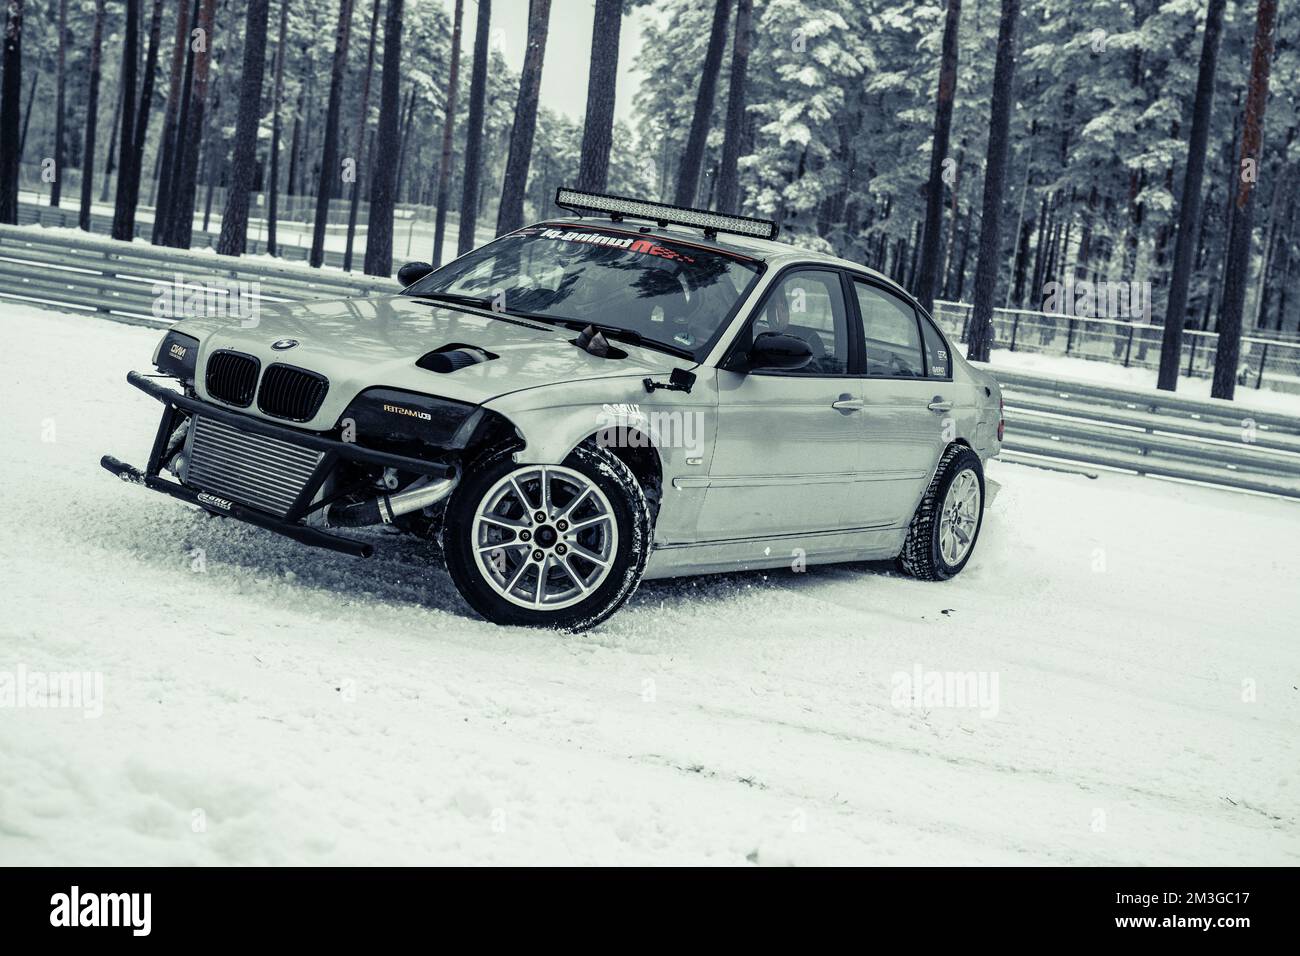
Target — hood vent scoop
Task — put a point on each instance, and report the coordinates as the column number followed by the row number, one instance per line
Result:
column 592, row 341
column 454, row 356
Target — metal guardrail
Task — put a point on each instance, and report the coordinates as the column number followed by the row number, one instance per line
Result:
column 1149, row 433
column 1266, row 361
column 82, row 273
column 66, row 217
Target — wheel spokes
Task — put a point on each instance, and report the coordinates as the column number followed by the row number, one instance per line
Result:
column 569, row 550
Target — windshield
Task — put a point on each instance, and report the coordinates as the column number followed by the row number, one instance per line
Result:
column 675, row 294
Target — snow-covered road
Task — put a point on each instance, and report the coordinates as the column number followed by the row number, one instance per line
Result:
column 267, row 703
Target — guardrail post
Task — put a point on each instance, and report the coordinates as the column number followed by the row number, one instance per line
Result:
column 1191, row 357
column 1069, row 336
column 1128, row 349
column 1263, row 360
column 1015, row 324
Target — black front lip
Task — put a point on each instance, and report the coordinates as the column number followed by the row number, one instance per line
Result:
column 298, row 532
column 290, row 525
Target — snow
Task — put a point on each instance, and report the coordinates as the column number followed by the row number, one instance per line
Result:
column 267, row 703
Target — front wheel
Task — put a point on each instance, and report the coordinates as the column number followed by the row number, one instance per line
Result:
column 559, row 546
column 942, row 536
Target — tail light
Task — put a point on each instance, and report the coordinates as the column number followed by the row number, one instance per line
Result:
column 1002, row 422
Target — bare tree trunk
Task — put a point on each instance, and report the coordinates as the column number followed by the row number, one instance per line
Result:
column 11, row 104
column 243, row 164
column 92, row 116
column 448, row 126
column 688, row 174
column 60, row 107
column 167, row 145
column 123, row 224
column 929, row 268
column 379, row 234
column 110, row 166
column 186, row 183
column 474, row 131
column 1237, row 265
column 363, row 119
column 130, row 169
column 405, row 136
column 728, row 171
column 295, row 145
column 329, row 165
column 602, row 80
column 277, row 98
column 995, row 172
column 510, row 214
column 27, row 113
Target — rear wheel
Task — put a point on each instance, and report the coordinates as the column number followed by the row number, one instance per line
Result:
column 559, row 546
column 947, row 522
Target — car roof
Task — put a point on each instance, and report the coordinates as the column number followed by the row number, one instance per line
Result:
column 766, row 250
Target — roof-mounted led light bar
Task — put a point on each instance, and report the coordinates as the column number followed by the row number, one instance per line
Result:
column 618, row 208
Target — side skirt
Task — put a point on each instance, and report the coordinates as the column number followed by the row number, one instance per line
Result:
column 831, row 547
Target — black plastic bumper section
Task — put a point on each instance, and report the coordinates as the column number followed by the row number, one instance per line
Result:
column 295, row 435
column 290, row 527
column 298, row 532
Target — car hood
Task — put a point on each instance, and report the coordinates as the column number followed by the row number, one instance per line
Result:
column 359, row 343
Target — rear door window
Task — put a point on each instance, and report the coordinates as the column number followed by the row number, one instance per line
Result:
column 890, row 334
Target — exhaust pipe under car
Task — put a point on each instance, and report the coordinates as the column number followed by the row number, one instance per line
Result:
column 383, row 509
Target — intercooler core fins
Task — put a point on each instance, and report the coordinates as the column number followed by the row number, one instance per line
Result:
column 451, row 357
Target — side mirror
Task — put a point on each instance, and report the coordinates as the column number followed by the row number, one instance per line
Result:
column 413, row 272
column 778, row 351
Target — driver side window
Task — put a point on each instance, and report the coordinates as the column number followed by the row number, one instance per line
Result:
column 809, row 305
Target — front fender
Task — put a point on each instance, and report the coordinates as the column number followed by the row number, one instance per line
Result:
column 553, row 420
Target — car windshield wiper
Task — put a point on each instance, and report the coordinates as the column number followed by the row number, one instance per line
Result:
column 627, row 335
column 478, row 301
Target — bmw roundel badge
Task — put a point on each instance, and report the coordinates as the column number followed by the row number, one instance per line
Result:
column 283, row 344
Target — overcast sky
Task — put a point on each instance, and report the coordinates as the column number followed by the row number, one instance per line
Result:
column 568, row 50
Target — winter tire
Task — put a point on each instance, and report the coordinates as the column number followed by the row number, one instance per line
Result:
column 947, row 522
column 560, row 546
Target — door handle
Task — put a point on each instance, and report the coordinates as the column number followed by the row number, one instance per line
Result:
column 939, row 405
column 847, row 403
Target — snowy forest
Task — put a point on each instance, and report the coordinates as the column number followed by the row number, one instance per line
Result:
column 974, row 150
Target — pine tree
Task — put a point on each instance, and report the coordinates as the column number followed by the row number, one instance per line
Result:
column 277, row 99
column 510, row 214
column 167, row 145
column 185, row 183
column 602, row 81
column 448, row 129
column 363, row 120
column 128, row 179
column 329, row 164
column 474, row 131
column 92, row 117
column 929, row 268
column 688, row 174
column 60, row 107
column 11, row 103
column 1237, row 265
column 379, row 238
column 995, row 171
column 243, row 165
column 728, row 172
column 123, row 219
column 1189, row 213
